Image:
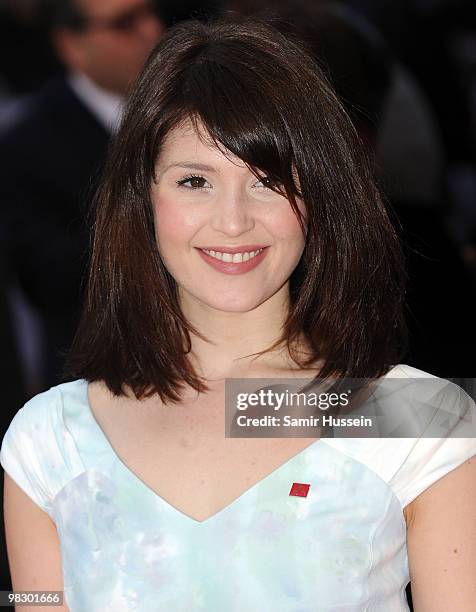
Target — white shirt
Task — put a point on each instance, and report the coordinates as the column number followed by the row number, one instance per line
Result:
column 105, row 105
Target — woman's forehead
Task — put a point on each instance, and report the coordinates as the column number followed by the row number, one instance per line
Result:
column 190, row 139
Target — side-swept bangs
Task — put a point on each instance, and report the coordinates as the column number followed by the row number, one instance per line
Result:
column 255, row 93
column 248, row 104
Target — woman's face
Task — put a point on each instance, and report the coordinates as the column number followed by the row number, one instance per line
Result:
column 203, row 200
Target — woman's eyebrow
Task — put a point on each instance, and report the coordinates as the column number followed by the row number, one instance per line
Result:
column 189, row 166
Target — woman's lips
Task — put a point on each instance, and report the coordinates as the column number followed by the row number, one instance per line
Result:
column 228, row 267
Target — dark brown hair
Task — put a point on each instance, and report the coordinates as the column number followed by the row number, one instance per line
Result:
column 264, row 99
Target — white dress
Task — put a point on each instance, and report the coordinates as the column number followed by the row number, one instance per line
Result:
column 124, row 548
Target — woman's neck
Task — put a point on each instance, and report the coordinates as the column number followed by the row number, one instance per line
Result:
column 235, row 337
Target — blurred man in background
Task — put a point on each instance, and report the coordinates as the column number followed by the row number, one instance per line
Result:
column 107, row 41
column 50, row 159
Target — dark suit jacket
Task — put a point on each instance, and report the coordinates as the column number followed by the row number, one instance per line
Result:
column 50, row 161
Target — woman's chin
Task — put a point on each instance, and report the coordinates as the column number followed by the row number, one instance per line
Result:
column 236, row 304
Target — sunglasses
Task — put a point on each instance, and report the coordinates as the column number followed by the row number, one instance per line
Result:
column 125, row 22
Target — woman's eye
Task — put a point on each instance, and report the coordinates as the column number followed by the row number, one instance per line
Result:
column 199, row 182
column 194, row 182
column 265, row 182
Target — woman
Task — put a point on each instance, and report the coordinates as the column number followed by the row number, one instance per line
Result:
column 232, row 142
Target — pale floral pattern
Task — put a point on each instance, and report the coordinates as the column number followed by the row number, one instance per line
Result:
column 266, row 551
column 125, row 549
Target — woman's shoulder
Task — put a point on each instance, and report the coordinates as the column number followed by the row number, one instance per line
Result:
column 42, row 415
column 45, row 404
column 432, row 431
column 403, row 370
column 37, row 449
column 422, row 394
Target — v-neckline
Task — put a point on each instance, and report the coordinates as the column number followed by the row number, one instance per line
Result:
column 139, row 482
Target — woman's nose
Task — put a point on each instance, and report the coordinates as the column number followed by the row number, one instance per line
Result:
column 233, row 214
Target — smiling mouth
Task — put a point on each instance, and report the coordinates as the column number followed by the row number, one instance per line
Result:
column 239, row 257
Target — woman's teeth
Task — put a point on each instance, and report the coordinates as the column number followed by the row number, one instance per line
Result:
column 232, row 258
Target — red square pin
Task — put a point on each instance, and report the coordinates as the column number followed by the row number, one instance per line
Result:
column 299, row 489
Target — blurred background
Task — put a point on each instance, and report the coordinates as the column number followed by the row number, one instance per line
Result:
column 404, row 69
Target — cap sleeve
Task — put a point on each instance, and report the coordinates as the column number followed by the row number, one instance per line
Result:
column 37, row 452
column 431, row 458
